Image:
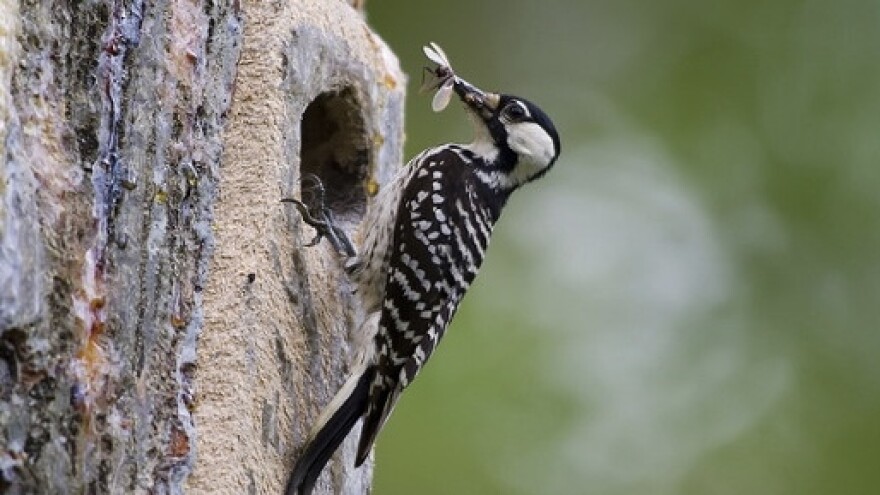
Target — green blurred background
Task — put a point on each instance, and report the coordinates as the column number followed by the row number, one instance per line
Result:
column 689, row 303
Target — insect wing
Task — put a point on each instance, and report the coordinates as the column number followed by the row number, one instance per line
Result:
column 441, row 99
column 432, row 55
column 435, row 54
column 439, row 51
column 430, row 81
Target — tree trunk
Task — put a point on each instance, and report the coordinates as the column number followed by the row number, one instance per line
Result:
column 163, row 329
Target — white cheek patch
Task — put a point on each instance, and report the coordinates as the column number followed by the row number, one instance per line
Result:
column 533, row 145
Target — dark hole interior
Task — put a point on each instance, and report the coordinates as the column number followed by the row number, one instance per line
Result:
column 334, row 148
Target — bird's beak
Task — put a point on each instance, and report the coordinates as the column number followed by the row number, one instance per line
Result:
column 480, row 102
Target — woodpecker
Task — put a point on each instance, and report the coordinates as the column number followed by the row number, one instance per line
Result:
column 424, row 237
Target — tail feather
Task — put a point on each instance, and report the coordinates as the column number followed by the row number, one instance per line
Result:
column 330, row 430
column 381, row 407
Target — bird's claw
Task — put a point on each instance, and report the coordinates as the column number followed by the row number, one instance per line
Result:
column 317, row 215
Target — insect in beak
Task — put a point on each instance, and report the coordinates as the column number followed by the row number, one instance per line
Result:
column 444, row 81
column 441, row 79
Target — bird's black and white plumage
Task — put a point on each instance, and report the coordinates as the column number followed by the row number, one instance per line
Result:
column 423, row 241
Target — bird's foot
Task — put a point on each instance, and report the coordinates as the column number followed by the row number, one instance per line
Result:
column 318, row 215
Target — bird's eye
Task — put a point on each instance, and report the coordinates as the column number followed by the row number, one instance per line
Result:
column 515, row 111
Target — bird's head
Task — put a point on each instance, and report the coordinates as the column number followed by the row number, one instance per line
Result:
column 516, row 140
column 513, row 134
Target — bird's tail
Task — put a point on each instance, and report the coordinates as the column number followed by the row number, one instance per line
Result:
column 330, row 430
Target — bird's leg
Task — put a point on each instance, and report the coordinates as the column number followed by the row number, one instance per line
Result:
column 316, row 214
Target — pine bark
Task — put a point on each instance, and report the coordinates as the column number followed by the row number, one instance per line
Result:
column 163, row 328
